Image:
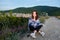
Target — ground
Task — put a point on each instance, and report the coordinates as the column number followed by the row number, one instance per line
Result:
column 51, row 28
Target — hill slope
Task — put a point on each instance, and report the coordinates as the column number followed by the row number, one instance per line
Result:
column 51, row 10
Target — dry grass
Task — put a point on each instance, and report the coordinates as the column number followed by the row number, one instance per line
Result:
column 58, row 17
column 42, row 18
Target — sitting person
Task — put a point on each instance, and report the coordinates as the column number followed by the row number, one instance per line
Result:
column 34, row 25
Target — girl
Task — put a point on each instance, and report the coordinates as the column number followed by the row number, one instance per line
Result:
column 35, row 25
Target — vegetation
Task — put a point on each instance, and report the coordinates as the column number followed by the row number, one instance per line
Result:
column 52, row 11
column 11, row 26
column 58, row 17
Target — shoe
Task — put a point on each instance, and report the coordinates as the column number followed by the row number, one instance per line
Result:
column 28, row 35
column 33, row 35
column 42, row 33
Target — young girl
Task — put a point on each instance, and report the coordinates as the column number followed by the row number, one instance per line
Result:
column 35, row 25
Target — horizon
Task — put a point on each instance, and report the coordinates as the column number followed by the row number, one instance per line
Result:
column 8, row 4
column 28, row 7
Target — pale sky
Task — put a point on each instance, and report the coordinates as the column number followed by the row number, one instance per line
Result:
column 11, row 4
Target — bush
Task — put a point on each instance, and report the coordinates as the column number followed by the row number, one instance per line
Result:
column 58, row 17
column 11, row 21
column 11, row 25
column 42, row 19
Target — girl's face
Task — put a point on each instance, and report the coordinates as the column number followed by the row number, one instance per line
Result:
column 34, row 14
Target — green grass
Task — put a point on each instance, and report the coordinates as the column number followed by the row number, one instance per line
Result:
column 12, row 27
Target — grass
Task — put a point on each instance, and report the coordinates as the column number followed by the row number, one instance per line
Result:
column 12, row 35
column 42, row 18
column 58, row 17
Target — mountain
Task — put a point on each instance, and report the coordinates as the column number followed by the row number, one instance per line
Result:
column 52, row 11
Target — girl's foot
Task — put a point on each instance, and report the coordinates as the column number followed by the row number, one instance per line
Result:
column 32, row 35
column 42, row 33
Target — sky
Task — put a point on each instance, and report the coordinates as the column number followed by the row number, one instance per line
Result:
column 12, row 4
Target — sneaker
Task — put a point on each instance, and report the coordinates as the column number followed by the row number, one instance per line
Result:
column 32, row 35
column 42, row 33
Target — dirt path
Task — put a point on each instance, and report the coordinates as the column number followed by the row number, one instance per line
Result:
column 51, row 28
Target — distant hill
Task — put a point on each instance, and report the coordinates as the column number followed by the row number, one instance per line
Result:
column 52, row 11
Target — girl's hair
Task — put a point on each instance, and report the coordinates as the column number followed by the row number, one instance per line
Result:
column 36, row 15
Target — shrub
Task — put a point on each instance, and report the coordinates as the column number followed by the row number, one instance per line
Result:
column 13, row 25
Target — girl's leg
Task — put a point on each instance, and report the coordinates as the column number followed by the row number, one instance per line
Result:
column 40, row 31
column 33, row 31
column 31, row 28
column 39, row 27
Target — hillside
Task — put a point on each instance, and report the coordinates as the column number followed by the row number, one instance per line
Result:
column 52, row 11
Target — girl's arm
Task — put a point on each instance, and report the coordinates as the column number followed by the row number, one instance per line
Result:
column 30, row 22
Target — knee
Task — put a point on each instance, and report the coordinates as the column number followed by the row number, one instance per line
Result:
column 41, row 25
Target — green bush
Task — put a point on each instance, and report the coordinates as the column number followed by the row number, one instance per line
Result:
column 11, row 25
column 10, row 21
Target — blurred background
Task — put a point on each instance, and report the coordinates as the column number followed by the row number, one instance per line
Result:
column 14, row 16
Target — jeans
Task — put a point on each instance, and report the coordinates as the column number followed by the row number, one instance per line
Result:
column 37, row 28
